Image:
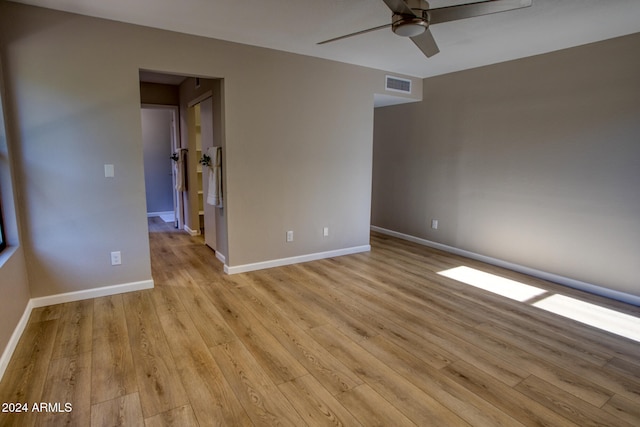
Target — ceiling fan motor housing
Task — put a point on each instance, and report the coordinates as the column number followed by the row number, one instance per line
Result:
column 411, row 26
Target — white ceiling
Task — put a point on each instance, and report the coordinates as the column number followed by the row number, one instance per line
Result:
column 296, row 26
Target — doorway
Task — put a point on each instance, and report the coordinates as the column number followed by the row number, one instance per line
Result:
column 202, row 100
column 160, row 140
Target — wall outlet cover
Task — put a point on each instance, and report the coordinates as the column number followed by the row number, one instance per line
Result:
column 116, row 258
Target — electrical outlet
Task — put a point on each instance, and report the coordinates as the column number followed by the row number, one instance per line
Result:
column 434, row 224
column 116, row 258
column 290, row 236
column 325, row 231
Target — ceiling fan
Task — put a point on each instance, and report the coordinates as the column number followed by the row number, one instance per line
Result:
column 412, row 18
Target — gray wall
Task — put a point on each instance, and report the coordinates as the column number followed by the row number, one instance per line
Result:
column 14, row 284
column 298, row 140
column 156, row 142
column 75, row 106
column 534, row 162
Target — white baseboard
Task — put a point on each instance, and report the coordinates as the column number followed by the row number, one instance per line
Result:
column 59, row 299
column 190, row 231
column 91, row 293
column 221, row 257
column 562, row 280
column 295, row 260
column 15, row 337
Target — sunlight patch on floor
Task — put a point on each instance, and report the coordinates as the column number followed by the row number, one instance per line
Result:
column 593, row 315
column 590, row 314
column 492, row 283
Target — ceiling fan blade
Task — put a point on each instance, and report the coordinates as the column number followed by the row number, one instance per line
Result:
column 399, row 7
column 426, row 43
column 355, row 34
column 462, row 11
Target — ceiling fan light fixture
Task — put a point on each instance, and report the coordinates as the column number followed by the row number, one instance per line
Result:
column 409, row 26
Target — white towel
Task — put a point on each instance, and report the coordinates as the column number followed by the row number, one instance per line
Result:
column 214, row 192
column 181, row 181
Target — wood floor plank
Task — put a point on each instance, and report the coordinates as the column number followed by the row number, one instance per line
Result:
column 112, row 370
column 41, row 314
column 630, row 370
column 576, row 380
column 206, row 317
column 24, row 379
column 68, row 383
column 124, row 411
column 329, row 371
column 212, row 399
column 281, row 292
column 344, row 313
column 178, row 417
column 259, row 396
column 569, row 406
column 274, row 359
column 158, row 381
column 463, row 402
column 528, row 412
column 572, row 378
column 75, row 332
column 415, row 287
column 166, row 300
column 413, row 402
column 609, row 380
column 37, row 342
column 329, row 306
column 315, row 404
column 420, row 328
column 626, row 409
column 371, row 409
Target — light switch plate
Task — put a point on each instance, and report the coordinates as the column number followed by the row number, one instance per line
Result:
column 109, row 171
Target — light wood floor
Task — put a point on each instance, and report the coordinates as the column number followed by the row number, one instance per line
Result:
column 371, row 339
